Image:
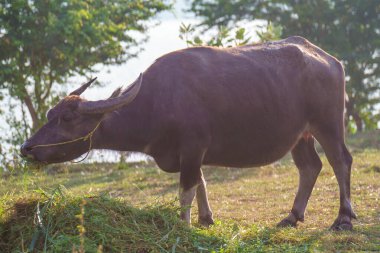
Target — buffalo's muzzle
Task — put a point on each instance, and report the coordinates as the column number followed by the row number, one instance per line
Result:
column 25, row 150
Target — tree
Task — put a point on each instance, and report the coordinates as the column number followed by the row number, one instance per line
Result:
column 43, row 42
column 228, row 37
column 347, row 29
column 223, row 38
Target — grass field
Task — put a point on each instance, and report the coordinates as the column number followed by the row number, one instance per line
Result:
column 133, row 208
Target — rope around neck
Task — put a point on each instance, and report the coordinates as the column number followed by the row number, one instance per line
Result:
column 84, row 138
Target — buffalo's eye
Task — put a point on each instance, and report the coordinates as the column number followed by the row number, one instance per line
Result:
column 68, row 116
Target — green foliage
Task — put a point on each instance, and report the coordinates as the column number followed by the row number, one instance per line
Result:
column 347, row 29
column 42, row 43
column 228, row 37
column 270, row 33
column 223, row 37
column 122, row 166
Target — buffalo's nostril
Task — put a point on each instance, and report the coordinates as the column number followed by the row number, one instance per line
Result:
column 25, row 149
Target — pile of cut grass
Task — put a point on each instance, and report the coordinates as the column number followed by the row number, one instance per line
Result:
column 59, row 223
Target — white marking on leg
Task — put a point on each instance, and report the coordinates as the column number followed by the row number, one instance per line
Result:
column 203, row 204
column 186, row 199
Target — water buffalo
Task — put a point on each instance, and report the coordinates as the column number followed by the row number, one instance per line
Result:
column 240, row 107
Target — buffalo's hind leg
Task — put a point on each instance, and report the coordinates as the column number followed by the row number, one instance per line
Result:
column 341, row 161
column 309, row 165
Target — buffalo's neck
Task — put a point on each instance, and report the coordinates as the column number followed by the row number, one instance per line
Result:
column 126, row 129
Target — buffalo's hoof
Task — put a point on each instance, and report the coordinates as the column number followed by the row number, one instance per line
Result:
column 342, row 223
column 341, row 226
column 206, row 221
column 290, row 221
column 286, row 223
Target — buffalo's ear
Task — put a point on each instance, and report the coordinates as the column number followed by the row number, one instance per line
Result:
column 116, row 93
column 81, row 89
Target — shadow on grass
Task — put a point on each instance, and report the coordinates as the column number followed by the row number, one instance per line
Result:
column 213, row 175
column 90, row 179
column 372, row 230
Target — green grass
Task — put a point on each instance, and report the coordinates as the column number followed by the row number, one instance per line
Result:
column 134, row 209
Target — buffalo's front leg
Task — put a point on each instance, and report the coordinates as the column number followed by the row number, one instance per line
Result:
column 309, row 165
column 204, row 210
column 190, row 179
column 186, row 197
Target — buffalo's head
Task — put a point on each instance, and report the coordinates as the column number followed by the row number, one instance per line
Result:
column 62, row 138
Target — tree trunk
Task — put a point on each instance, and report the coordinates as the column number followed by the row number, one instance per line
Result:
column 32, row 111
column 358, row 122
column 355, row 115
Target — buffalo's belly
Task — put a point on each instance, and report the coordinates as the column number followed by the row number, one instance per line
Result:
column 249, row 151
column 242, row 160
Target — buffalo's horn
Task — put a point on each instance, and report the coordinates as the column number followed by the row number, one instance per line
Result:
column 113, row 103
column 81, row 89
